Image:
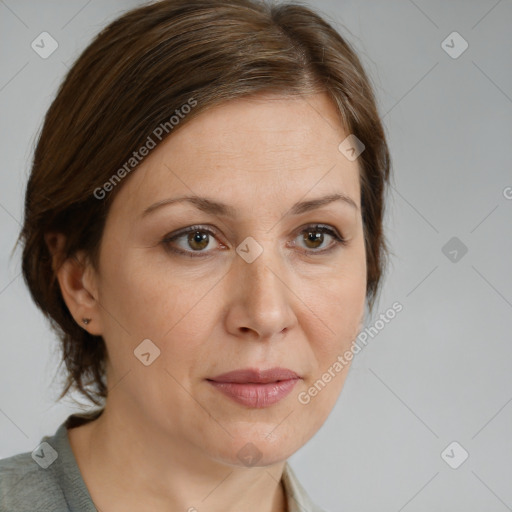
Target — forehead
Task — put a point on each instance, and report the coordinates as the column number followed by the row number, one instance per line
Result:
column 246, row 149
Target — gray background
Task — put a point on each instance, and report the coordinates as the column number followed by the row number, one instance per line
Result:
column 440, row 371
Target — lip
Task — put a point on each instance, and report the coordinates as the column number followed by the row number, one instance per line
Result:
column 256, row 388
column 253, row 375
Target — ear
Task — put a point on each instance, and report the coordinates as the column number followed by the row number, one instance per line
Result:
column 78, row 284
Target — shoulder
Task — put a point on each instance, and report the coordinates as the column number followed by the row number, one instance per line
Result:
column 26, row 486
column 48, row 478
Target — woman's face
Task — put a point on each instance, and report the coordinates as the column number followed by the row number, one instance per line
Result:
column 250, row 289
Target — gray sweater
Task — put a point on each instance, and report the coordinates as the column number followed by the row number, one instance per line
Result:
column 48, row 478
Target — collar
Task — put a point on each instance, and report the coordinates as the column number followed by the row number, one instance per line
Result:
column 298, row 498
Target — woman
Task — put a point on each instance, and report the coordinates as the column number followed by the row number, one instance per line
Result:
column 203, row 228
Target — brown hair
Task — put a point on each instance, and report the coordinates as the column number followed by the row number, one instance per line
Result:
column 133, row 76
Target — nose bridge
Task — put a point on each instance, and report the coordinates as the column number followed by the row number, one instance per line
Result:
column 261, row 279
column 262, row 301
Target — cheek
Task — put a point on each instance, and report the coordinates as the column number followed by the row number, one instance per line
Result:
column 172, row 308
column 149, row 302
column 339, row 310
column 337, row 303
column 151, row 296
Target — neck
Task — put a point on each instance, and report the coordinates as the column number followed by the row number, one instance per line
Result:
column 157, row 472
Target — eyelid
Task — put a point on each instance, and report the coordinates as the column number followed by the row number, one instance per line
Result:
column 196, row 227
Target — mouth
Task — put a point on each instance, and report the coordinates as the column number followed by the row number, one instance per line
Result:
column 256, row 388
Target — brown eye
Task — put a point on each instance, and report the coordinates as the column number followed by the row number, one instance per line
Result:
column 198, row 240
column 313, row 238
column 193, row 241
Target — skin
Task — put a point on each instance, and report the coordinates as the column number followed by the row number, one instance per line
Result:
column 209, row 315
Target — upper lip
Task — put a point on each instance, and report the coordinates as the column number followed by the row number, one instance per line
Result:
column 255, row 375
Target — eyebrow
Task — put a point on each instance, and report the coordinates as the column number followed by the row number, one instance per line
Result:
column 216, row 208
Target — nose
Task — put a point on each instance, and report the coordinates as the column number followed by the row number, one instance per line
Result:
column 259, row 299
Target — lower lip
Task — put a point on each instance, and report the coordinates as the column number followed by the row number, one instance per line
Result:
column 256, row 395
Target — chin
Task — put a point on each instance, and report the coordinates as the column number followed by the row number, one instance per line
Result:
column 257, row 450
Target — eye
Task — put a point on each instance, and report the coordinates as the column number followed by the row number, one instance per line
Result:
column 196, row 238
column 313, row 237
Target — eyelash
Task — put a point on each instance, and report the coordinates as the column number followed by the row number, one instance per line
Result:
column 168, row 239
